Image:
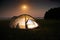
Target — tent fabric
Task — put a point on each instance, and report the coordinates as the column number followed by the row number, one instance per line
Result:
column 22, row 21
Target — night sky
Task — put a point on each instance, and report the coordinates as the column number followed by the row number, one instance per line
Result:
column 37, row 8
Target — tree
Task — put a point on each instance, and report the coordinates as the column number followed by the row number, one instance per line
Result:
column 53, row 13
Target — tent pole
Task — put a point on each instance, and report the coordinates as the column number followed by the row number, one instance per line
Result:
column 25, row 22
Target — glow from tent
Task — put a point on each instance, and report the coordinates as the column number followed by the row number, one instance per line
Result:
column 22, row 23
column 31, row 24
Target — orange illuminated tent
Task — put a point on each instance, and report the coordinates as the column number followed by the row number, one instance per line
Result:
column 23, row 22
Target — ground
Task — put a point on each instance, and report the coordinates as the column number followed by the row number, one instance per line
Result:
column 47, row 30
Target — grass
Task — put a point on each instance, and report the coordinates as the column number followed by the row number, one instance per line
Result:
column 47, row 30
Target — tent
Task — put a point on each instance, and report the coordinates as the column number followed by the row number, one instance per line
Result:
column 23, row 21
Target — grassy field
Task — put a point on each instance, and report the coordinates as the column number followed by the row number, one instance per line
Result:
column 47, row 30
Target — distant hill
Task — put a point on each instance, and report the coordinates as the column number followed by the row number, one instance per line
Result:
column 39, row 17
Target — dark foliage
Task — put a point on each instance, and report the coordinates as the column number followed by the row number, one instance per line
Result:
column 53, row 13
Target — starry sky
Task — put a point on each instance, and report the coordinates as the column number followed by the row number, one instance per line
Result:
column 36, row 8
